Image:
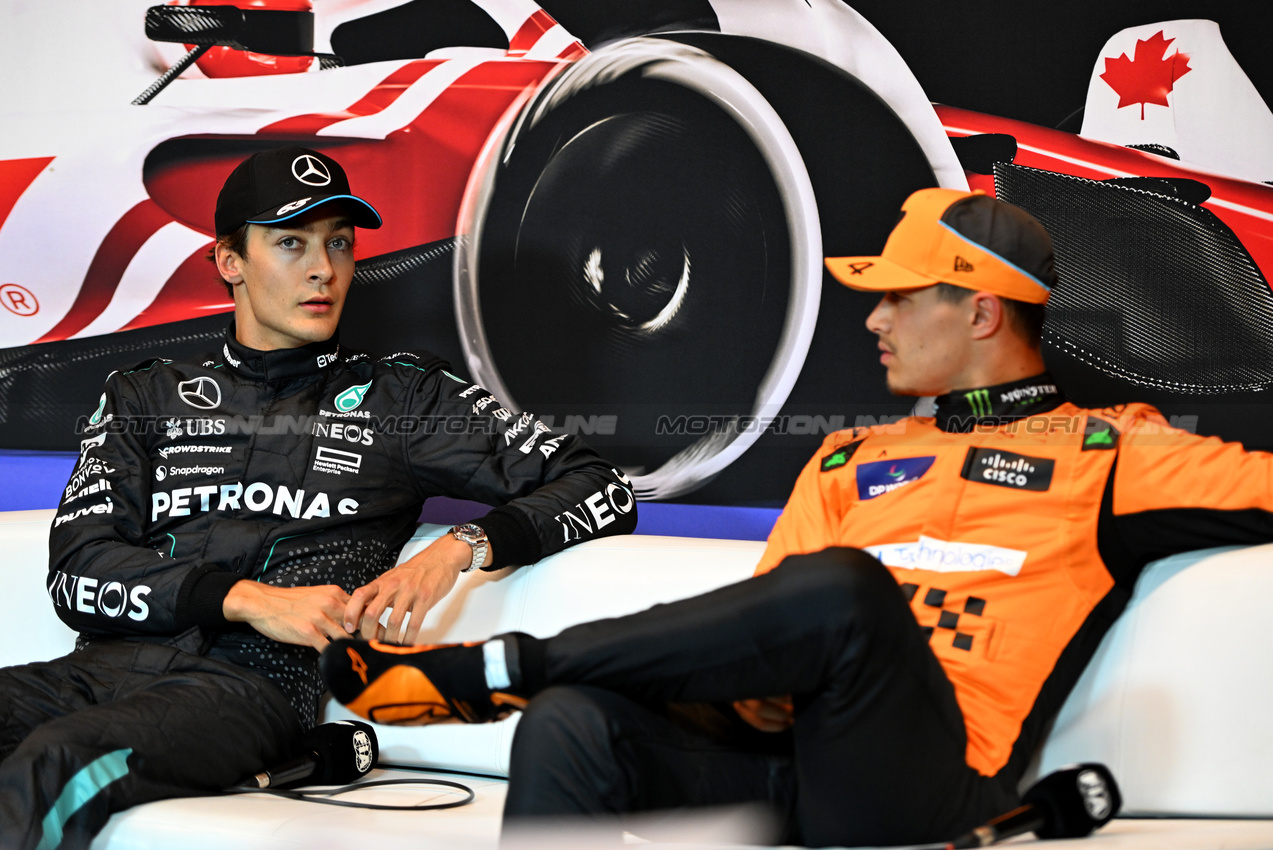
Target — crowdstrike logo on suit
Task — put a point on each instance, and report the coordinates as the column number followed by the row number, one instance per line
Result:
column 884, row 476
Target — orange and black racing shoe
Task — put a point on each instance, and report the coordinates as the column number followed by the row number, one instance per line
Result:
column 413, row 685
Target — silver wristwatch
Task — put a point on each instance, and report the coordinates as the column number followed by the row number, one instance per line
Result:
column 476, row 538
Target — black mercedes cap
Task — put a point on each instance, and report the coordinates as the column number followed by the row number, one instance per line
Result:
column 275, row 185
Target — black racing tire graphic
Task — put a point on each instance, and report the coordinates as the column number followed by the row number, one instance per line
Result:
column 648, row 207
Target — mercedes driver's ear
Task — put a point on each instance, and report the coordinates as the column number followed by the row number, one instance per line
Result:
column 229, row 264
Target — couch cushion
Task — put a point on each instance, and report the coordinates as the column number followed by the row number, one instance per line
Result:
column 1177, row 699
column 263, row 821
column 604, row 578
column 24, row 566
column 1174, row 702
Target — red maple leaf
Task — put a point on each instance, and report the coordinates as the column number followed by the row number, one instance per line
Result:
column 1148, row 77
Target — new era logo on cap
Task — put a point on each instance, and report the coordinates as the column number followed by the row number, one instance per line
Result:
column 275, row 185
column 962, row 265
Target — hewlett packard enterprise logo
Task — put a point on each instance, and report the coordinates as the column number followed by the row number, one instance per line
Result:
column 1006, row 469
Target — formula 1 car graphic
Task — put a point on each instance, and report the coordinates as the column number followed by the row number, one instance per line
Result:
column 572, row 227
column 611, row 214
column 1162, row 215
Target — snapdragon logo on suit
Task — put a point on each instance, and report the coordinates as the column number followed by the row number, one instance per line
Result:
column 884, row 476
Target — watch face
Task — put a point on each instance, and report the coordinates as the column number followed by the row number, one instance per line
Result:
column 476, row 538
column 470, row 534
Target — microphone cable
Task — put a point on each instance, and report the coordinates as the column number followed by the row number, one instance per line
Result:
column 327, row 798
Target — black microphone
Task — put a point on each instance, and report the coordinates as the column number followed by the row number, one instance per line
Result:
column 331, row 754
column 1070, row 803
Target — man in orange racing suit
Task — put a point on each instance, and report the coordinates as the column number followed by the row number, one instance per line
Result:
column 928, row 597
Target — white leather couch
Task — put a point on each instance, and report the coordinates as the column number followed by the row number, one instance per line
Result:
column 1177, row 701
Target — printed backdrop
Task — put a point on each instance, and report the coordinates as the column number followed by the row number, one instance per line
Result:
column 614, row 214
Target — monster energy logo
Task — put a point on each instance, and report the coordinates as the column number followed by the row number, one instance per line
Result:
column 352, row 397
column 979, row 401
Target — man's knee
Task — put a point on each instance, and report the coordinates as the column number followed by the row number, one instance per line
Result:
column 839, row 580
column 563, row 761
column 62, row 739
column 560, row 721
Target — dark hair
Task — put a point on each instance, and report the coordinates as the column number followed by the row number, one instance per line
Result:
column 1025, row 318
column 236, row 241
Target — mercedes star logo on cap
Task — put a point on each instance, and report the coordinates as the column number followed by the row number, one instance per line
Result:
column 202, row 393
column 310, row 170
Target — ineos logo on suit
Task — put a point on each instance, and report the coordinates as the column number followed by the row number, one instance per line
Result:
column 310, row 170
column 202, row 392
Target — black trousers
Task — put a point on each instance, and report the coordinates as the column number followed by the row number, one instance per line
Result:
column 877, row 752
column 121, row 723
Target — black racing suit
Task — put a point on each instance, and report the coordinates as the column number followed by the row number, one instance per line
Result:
column 295, row 467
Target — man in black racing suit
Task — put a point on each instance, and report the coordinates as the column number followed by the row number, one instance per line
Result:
column 228, row 516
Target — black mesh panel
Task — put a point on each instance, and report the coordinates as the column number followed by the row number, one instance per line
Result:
column 45, row 388
column 1153, row 290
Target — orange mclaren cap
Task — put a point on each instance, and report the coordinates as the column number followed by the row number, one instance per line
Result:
column 966, row 239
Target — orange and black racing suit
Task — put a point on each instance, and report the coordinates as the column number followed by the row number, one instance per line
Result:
column 1014, row 524
column 1017, row 544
